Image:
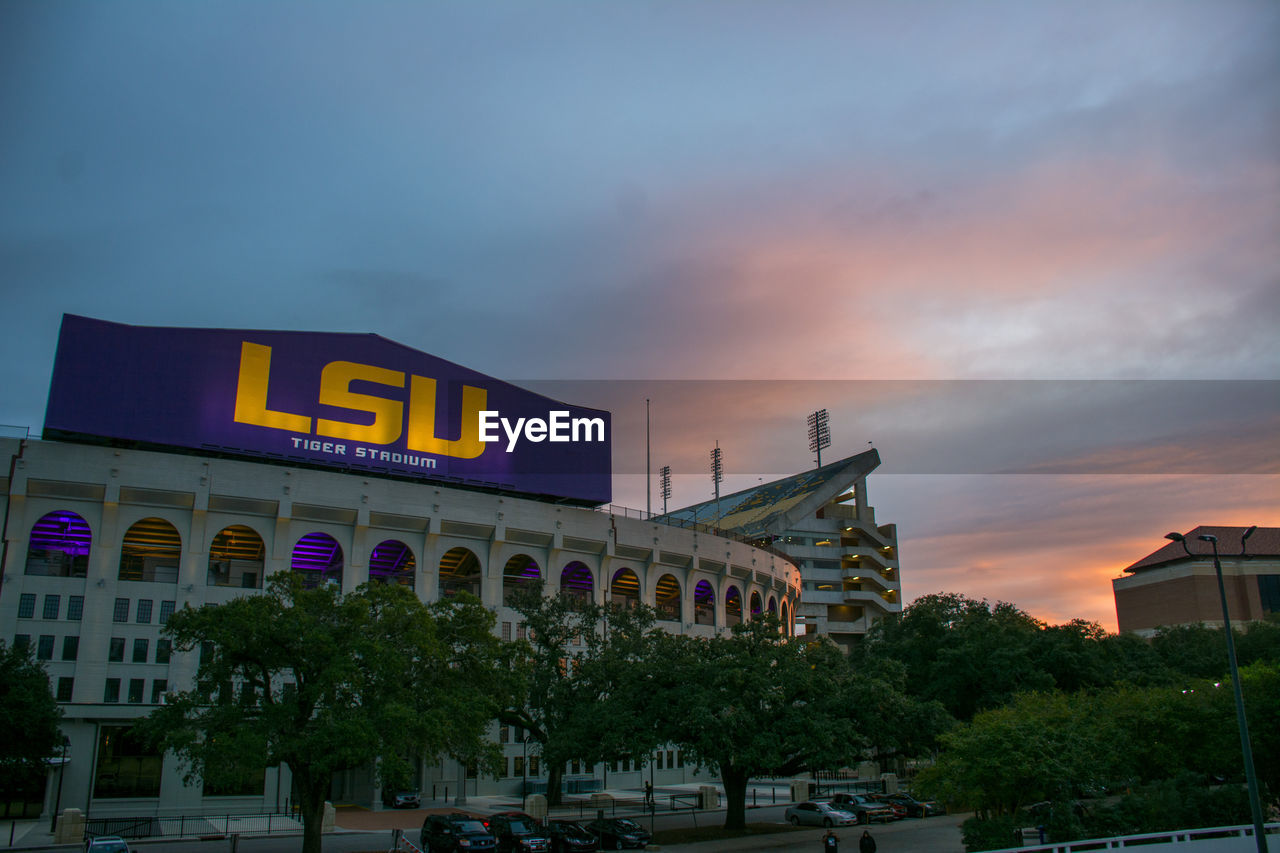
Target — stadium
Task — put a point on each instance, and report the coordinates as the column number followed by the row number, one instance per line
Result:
column 179, row 467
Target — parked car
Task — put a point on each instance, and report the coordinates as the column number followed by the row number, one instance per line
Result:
column 106, row 844
column 899, row 810
column 570, row 837
column 863, row 807
column 518, row 834
column 455, row 833
column 914, row 807
column 405, row 800
column 818, row 814
column 616, row 833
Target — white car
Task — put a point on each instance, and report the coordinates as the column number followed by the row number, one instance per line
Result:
column 106, row 844
column 819, row 814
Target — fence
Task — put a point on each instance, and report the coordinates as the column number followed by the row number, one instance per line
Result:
column 194, row 826
column 1221, row 839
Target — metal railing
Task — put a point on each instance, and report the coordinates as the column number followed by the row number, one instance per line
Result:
column 670, row 521
column 1214, row 838
column 191, row 826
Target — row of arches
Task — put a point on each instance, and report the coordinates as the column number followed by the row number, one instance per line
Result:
column 151, row 550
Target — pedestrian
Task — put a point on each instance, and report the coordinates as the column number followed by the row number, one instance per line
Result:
column 830, row 842
column 866, row 844
column 648, row 793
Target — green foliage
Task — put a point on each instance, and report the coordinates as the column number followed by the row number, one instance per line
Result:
column 31, row 718
column 960, row 652
column 752, row 703
column 324, row 682
column 995, row 833
column 581, row 676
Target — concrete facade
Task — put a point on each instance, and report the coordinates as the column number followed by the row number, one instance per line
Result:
column 116, row 618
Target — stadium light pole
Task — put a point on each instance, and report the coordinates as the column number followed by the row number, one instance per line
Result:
column 665, row 485
column 717, row 474
column 648, row 466
column 1251, row 777
column 819, row 433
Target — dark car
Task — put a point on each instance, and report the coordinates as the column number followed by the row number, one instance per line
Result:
column 570, row 837
column 863, row 807
column 518, row 834
column 914, row 807
column 455, row 833
column 616, row 833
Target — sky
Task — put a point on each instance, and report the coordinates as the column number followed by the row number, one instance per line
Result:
column 1027, row 250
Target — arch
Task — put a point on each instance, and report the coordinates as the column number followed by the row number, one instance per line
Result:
column 772, row 607
column 757, row 606
column 576, row 581
column 624, row 589
column 786, row 623
column 392, row 562
column 150, row 551
column 459, row 572
column 667, row 598
column 520, row 570
column 318, row 558
column 732, row 606
column 237, row 558
column 59, row 546
column 704, row 604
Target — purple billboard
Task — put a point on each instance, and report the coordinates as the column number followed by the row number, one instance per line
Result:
column 345, row 401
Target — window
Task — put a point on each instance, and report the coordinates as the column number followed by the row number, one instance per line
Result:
column 52, row 604
column 126, row 767
column 144, row 611
column 122, row 610
column 136, row 686
column 111, row 693
column 158, row 688
column 59, row 546
column 44, row 647
column 70, row 647
column 150, row 551
column 506, row 632
column 27, row 606
column 115, row 652
column 504, row 734
column 533, row 765
column 166, row 610
column 75, row 607
column 140, row 651
column 520, row 631
column 65, row 686
column 163, row 649
column 506, row 762
column 518, row 766
column 21, row 641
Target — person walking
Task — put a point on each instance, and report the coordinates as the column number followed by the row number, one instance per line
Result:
column 830, row 842
column 866, row 844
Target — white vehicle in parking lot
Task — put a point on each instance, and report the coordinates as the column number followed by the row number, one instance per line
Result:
column 818, row 814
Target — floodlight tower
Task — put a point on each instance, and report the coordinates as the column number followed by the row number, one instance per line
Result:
column 717, row 475
column 665, row 486
column 819, row 433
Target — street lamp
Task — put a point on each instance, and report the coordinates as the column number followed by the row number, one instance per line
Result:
column 62, row 774
column 1250, row 776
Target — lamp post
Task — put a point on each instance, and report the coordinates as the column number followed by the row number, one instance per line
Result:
column 62, row 773
column 1251, row 777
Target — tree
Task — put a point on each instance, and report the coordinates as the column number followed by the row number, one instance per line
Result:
column 31, row 717
column 325, row 682
column 963, row 653
column 581, row 672
column 753, row 703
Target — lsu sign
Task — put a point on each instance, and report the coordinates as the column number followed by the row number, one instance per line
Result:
column 346, row 401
